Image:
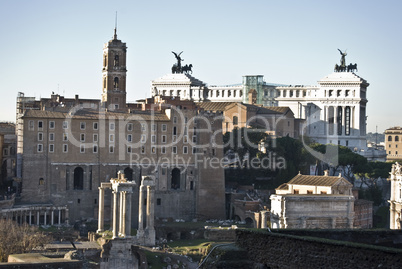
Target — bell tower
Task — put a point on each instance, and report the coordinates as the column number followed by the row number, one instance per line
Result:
column 114, row 74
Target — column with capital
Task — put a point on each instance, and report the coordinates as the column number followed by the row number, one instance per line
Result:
column 52, row 217
column 101, row 210
column 115, row 213
column 59, row 223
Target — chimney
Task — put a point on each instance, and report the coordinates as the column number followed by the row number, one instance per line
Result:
column 325, row 173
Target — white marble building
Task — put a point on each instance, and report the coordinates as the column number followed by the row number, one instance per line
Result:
column 334, row 111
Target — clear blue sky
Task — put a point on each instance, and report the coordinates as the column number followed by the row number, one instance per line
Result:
column 57, row 45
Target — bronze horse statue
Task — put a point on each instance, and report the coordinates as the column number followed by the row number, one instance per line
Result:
column 187, row 68
column 352, row 67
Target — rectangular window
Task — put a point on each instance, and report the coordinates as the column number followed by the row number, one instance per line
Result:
column 95, row 126
column 65, row 124
column 65, row 148
column 185, row 150
column 129, row 149
column 164, row 127
column 143, row 138
column 40, row 148
column 174, row 130
column 40, row 136
column 163, row 150
column 194, row 139
column 153, row 127
column 129, row 138
column 51, row 124
column 111, row 126
column 95, row 137
column 111, row 138
column 82, row 148
column 153, row 139
column 175, row 120
column 174, row 150
column 51, row 137
column 194, row 150
column 158, row 201
column 111, row 149
column 153, row 150
column 51, row 147
column 31, row 125
column 82, row 137
column 142, row 150
column 295, row 191
column 143, row 127
column 40, row 125
column 129, row 127
column 163, row 138
column 95, row 148
column 309, row 192
column 82, row 125
column 185, row 139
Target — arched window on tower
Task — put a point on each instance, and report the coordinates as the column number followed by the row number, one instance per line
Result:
column 389, row 138
column 78, row 178
column 116, row 83
column 116, row 60
column 175, row 178
column 396, row 138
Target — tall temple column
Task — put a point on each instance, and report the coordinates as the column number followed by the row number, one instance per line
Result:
column 30, row 217
column 140, row 211
column 45, row 221
column 37, row 217
column 115, row 215
column 128, row 212
column 123, row 215
column 66, row 216
column 150, row 208
column 120, row 212
column 101, row 210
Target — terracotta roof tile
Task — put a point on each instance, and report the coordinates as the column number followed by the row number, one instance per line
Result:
column 317, row 180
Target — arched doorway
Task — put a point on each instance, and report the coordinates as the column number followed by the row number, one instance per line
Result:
column 175, row 178
column 78, row 178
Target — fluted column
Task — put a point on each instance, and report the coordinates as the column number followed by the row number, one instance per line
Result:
column 140, row 211
column 101, row 210
column 115, row 213
column 128, row 213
